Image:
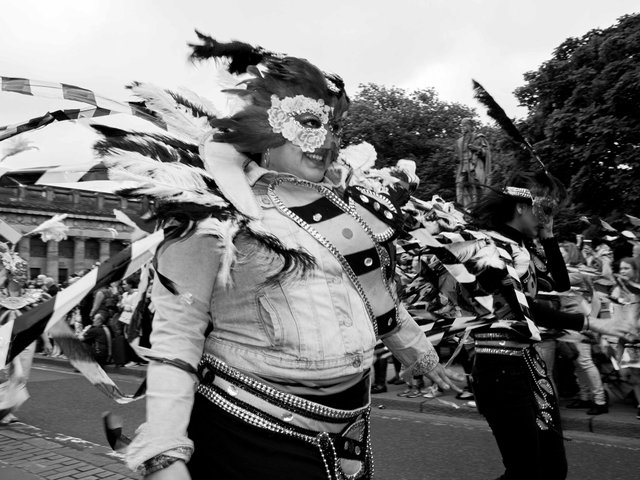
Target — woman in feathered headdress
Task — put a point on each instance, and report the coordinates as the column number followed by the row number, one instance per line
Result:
column 511, row 381
column 274, row 282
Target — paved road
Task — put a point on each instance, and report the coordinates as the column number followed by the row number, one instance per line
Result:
column 407, row 445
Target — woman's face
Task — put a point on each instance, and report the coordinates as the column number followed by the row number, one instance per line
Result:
column 311, row 166
column 627, row 271
column 526, row 222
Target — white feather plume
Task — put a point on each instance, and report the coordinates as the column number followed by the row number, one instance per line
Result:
column 488, row 256
column 203, row 103
column 521, row 260
column 162, row 180
column 226, row 230
column 178, row 119
column 52, row 229
column 464, row 250
column 359, row 157
column 17, row 145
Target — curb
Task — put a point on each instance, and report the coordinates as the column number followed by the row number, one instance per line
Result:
column 137, row 371
column 621, row 423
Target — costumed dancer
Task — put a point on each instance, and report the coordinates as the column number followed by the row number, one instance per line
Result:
column 510, row 380
column 14, row 301
column 272, row 286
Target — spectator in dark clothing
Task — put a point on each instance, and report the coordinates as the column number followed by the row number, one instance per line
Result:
column 50, row 286
column 98, row 337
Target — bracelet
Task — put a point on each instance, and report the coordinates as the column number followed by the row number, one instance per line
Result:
column 156, row 463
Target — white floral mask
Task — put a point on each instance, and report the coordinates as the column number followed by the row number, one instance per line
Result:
column 301, row 120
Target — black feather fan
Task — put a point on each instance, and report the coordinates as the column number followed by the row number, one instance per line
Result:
column 241, row 55
column 495, row 111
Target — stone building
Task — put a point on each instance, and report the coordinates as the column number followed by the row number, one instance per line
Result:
column 94, row 234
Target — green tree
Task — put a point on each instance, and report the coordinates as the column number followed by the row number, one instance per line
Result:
column 584, row 117
column 402, row 124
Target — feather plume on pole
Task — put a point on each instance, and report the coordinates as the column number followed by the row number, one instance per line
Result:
column 19, row 145
column 52, row 229
column 495, row 111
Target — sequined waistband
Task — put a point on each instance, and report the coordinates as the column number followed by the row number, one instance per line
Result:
column 499, row 343
column 512, row 352
column 224, row 385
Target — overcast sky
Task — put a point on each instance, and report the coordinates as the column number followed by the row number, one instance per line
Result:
column 102, row 45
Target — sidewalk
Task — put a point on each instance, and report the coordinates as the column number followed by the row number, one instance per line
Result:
column 621, row 420
column 28, row 453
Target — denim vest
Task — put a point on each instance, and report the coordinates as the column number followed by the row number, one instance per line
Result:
column 292, row 329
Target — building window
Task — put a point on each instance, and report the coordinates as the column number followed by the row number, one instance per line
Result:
column 92, row 249
column 37, row 248
column 63, row 275
column 34, row 272
column 65, row 248
column 115, row 247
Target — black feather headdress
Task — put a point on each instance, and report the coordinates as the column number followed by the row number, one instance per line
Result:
column 241, row 55
column 495, row 111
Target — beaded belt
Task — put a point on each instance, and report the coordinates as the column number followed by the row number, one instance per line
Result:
column 498, row 343
column 342, row 436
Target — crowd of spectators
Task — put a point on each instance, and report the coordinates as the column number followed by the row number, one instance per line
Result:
column 107, row 320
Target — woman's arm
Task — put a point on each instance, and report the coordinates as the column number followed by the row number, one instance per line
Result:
column 178, row 333
column 555, row 263
column 412, row 348
column 97, row 301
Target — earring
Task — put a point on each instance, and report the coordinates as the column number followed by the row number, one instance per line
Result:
column 265, row 158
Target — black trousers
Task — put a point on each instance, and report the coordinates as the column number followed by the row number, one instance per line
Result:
column 229, row 449
column 503, row 389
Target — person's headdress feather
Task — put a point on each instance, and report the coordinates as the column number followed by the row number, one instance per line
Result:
column 496, row 112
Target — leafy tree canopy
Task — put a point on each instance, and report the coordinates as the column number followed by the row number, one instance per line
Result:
column 403, row 124
column 584, row 117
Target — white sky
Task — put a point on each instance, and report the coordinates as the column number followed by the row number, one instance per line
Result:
column 104, row 44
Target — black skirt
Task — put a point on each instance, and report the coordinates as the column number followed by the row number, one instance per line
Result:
column 227, row 448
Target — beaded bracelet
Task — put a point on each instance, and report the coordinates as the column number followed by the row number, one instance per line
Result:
column 156, row 463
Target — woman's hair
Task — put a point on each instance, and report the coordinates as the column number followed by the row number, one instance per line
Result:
column 574, row 255
column 495, row 208
column 634, row 264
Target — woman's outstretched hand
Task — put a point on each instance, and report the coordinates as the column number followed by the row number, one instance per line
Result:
column 444, row 378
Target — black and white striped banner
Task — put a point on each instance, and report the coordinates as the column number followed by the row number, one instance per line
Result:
column 48, row 118
column 15, row 336
column 62, row 91
column 69, row 176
